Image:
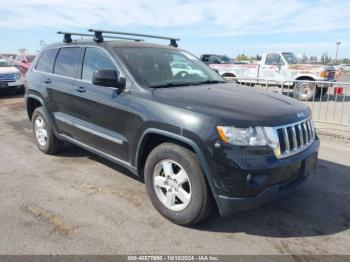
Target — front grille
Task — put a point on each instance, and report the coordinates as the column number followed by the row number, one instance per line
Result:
column 7, row 77
column 295, row 137
column 331, row 74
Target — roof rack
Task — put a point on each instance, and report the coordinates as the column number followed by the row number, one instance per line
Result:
column 67, row 38
column 99, row 38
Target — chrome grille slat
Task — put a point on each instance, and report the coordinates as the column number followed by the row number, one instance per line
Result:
column 301, row 138
column 309, row 129
column 296, row 137
column 286, row 139
column 306, row 132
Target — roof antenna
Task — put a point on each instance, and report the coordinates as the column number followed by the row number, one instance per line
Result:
column 67, row 38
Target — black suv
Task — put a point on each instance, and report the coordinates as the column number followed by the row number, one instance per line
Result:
column 197, row 141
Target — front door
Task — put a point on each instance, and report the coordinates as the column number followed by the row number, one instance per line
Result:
column 101, row 113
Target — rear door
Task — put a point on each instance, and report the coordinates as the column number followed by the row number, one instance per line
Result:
column 60, row 88
column 101, row 114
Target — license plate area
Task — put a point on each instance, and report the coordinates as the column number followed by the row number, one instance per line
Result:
column 308, row 165
column 3, row 84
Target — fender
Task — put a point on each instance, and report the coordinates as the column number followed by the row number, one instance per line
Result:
column 184, row 140
column 41, row 100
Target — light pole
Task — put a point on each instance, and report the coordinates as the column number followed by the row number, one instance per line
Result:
column 336, row 54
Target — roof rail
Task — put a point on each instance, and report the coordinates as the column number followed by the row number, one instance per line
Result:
column 99, row 38
column 67, row 38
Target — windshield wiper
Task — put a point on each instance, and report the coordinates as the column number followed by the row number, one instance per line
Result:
column 171, row 84
column 210, row 82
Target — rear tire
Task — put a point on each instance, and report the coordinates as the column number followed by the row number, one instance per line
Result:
column 176, row 184
column 45, row 139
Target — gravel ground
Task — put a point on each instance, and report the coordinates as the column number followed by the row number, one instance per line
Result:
column 78, row 203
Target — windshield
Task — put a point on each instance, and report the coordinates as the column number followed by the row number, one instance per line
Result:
column 162, row 67
column 290, row 58
column 4, row 64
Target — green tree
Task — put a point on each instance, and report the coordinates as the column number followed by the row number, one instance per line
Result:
column 242, row 57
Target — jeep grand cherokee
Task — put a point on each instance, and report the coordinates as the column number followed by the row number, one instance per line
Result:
column 196, row 140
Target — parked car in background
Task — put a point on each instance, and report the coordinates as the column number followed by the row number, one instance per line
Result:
column 216, row 59
column 195, row 139
column 23, row 62
column 282, row 67
column 11, row 79
column 345, row 68
column 185, row 68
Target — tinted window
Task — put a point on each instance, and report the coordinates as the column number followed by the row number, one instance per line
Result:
column 67, row 62
column 95, row 59
column 273, row 59
column 46, row 61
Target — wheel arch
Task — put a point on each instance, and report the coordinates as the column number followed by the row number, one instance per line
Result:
column 305, row 77
column 147, row 137
column 228, row 74
column 33, row 102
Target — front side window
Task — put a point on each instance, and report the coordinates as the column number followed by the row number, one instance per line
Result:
column 95, row 59
column 273, row 59
column 46, row 61
column 67, row 62
column 163, row 67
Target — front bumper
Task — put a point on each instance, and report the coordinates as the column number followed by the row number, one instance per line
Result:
column 15, row 86
column 230, row 205
column 247, row 182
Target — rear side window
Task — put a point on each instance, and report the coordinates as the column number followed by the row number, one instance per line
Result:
column 67, row 62
column 95, row 59
column 46, row 61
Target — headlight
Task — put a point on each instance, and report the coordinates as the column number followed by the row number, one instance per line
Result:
column 18, row 76
column 251, row 136
column 324, row 74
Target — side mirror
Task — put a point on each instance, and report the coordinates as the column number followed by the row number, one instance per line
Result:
column 108, row 78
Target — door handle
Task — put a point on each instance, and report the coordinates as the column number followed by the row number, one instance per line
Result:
column 80, row 89
column 47, row 81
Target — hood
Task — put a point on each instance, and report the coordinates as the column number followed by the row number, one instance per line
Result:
column 8, row 70
column 234, row 105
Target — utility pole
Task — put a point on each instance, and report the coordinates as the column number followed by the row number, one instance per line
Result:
column 42, row 44
column 336, row 53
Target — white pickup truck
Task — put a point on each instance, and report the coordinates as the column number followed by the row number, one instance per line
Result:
column 282, row 68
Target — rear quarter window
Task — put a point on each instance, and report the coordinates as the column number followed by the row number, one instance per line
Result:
column 67, row 62
column 46, row 61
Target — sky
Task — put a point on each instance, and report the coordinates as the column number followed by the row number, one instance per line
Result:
column 226, row 27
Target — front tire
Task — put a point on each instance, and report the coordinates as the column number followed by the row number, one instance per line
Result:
column 45, row 139
column 305, row 91
column 176, row 184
